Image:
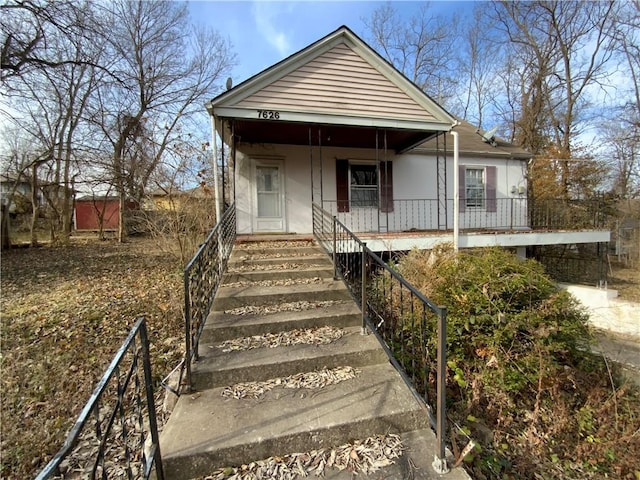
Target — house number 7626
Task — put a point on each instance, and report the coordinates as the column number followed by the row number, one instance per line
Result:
column 269, row 114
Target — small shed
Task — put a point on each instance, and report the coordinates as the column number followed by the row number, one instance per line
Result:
column 98, row 213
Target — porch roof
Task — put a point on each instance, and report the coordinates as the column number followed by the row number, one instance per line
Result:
column 473, row 144
column 337, row 90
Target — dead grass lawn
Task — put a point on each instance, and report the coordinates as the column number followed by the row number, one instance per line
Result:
column 65, row 311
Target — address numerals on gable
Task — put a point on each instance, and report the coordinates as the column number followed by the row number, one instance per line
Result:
column 269, row 114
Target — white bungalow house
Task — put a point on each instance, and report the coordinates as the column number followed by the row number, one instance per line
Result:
column 337, row 126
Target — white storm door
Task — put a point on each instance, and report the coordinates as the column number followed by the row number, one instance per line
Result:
column 269, row 197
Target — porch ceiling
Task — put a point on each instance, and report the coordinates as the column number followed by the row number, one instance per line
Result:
column 295, row 133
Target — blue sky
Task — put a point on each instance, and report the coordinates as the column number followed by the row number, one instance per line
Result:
column 265, row 32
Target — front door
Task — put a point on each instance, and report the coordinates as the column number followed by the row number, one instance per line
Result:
column 269, row 197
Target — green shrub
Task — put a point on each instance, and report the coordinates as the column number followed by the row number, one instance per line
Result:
column 518, row 364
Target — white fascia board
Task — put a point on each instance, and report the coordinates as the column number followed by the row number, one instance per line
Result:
column 333, row 119
column 525, row 239
column 477, row 240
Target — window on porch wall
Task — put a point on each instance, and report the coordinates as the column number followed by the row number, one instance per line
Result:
column 357, row 186
column 364, row 186
column 477, row 188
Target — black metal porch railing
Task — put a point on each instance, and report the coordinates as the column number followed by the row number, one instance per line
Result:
column 202, row 277
column 410, row 328
column 512, row 213
column 116, row 434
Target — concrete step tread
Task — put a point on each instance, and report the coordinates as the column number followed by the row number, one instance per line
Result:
column 251, row 290
column 222, row 326
column 319, row 271
column 316, row 259
column 230, row 297
column 275, row 250
column 207, row 431
column 216, row 368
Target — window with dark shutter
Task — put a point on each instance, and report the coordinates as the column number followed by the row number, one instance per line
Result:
column 342, row 185
column 492, row 183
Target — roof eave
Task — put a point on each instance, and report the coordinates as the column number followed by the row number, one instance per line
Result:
column 479, row 153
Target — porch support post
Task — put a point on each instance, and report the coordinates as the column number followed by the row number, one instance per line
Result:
column 320, row 154
column 222, row 181
column 378, row 176
column 232, row 174
column 334, row 254
column 363, row 293
column 311, row 169
column 456, row 192
column 216, row 190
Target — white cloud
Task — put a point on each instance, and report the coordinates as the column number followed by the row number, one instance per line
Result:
column 265, row 15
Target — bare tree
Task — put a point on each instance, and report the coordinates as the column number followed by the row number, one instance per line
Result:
column 564, row 49
column 479, row 68
column 167, row 69
column 52, row 104
column 28, row 28
column 421, row 47
column 621, row 133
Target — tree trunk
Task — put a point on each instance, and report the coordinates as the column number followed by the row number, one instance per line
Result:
column 4, row 227
column 121, row 227
column 34, row 204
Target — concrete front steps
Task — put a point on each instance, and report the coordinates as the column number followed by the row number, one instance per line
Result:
column 208, row 431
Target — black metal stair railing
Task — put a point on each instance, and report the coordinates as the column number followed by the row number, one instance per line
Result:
column 202, row 277
column 410, row 328
column 116, row 433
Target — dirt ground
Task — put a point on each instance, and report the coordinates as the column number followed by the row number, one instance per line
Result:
column 625, row 279
column 64, row 313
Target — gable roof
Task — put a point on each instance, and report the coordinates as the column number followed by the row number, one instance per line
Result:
column 338, row 80
column 471, row 143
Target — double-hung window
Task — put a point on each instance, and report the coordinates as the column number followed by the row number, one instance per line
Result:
column 478, row 187
column 364, row 185
column 475, row 193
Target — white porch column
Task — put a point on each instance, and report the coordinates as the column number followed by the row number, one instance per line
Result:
column 216, row 188
column 456, row 192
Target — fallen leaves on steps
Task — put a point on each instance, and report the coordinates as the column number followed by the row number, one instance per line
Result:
column 310, row 336
column 284, row 282
column 282, row 307
column 363, row 457
column 309, row 380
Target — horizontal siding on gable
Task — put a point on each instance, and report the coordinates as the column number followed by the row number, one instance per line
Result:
column 337, row 82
